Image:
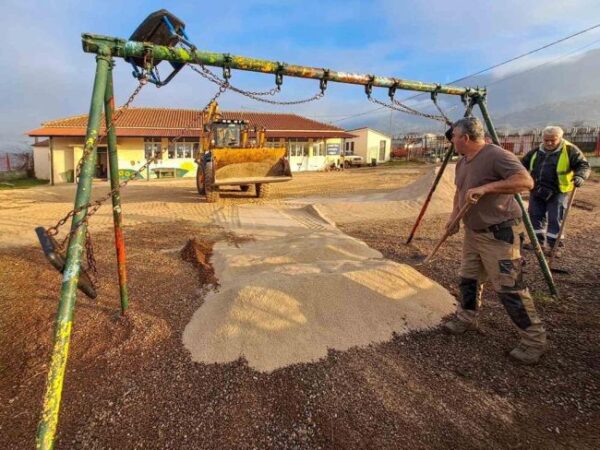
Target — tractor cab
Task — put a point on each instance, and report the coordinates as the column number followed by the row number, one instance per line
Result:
column 228, row 133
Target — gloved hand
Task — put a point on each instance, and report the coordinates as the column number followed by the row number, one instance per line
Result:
column 578, row 181
column 449, row 134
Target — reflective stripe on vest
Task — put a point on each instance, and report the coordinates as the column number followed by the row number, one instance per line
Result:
column 563, row 168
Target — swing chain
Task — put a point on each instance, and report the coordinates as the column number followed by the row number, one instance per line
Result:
column 213, row 78
column 119, row 113
column 53, row 231
column 96, row 204
column 434, row 95
column 92, row 207
column 401, row 107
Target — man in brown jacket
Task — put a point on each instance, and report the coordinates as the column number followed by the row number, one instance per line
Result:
column 489, row 176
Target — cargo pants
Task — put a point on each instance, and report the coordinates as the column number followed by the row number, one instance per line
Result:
column 547, row 211
column 496, row 256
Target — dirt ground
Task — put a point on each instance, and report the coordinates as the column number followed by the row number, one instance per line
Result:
column 130, row 383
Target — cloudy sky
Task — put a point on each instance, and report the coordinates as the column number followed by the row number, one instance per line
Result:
column 46, row 75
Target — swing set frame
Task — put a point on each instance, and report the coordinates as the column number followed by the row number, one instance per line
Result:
column 106, row 48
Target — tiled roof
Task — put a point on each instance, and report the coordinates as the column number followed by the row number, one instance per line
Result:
column 171, row 122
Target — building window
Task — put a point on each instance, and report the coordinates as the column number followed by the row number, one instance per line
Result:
column 349, row 148
column 184, row 148
column 319, row 149
column 152, row 148
column 298, row 147
column 273, row 143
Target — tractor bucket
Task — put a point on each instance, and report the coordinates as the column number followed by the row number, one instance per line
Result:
column 240, row 166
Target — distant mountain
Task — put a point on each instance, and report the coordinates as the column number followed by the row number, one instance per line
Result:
column 564, row 92
column 577, row 112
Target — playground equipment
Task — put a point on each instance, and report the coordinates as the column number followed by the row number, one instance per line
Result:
column 162, row 38
column 229, row 158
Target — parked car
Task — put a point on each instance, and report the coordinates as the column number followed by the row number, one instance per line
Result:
column 353, row 161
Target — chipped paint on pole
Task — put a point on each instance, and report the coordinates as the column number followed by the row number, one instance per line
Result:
column 109, row 106
column 62, row 333
column 127, row 49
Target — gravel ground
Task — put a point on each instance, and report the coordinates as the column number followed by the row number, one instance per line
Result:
column 131, row 384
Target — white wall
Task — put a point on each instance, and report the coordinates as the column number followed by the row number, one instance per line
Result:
column 41, row 162
column 367, row 142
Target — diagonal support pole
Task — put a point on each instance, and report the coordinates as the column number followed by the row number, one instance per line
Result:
column 528, row 226
column 438, row 177
column 62, row 332
column 113, row 162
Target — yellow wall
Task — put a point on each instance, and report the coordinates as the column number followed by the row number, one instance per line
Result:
column 68, row 152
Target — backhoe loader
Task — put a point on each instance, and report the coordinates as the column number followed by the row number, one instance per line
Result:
column 229, row 157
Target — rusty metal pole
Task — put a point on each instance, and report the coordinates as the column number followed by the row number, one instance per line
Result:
column 62, row 332
column 109, row 107
column 123, row 48
column 528, row 226
column 438, row 177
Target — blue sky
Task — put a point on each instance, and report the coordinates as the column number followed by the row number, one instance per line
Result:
column 47, row 75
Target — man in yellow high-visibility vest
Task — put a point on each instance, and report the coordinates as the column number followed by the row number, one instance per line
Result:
column 556, row 167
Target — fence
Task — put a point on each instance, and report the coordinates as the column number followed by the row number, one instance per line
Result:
column 15, row 161
column 587, row 139
column 15, row 165
column 432, row 147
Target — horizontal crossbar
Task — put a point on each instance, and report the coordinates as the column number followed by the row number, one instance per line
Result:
column 122, row 48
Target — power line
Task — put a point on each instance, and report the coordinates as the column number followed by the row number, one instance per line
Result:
column 508, row 77
column 523, row 55
column 359, row 114
column 531, row 52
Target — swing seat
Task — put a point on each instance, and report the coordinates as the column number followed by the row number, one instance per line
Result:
column 160, row 28
column 154, row 29
column 57, row 260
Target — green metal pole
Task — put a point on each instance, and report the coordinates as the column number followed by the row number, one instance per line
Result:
column 528, row 226
column 62, row 333
column 109, row 107
column 125, row 49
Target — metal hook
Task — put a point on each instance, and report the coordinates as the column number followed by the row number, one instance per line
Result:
column 227, row 67
column 279, row 76
column 369, row 86
column 435, row 92
column 323, row 82
column 392, row 90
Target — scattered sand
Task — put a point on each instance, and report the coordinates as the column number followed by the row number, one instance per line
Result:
column 402, row 203
column 303, row 287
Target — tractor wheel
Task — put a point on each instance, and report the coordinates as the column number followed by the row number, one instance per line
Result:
column 245, row 187
column 263, row 190
column 200, row 179
column 210, row 191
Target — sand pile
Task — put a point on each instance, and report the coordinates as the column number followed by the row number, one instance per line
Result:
column 303, row 287
column 405, row 202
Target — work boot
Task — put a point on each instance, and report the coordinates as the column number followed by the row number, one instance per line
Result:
column 457, row 326
column 526, row 354
column 529, row 246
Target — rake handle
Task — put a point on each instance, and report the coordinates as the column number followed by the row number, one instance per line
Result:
column 450, row 227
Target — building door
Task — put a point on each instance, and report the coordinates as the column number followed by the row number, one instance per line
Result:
column 382, row 145
column 101, row 170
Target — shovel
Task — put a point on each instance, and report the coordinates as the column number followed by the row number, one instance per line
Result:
column 450, row 227
column 560, row 233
